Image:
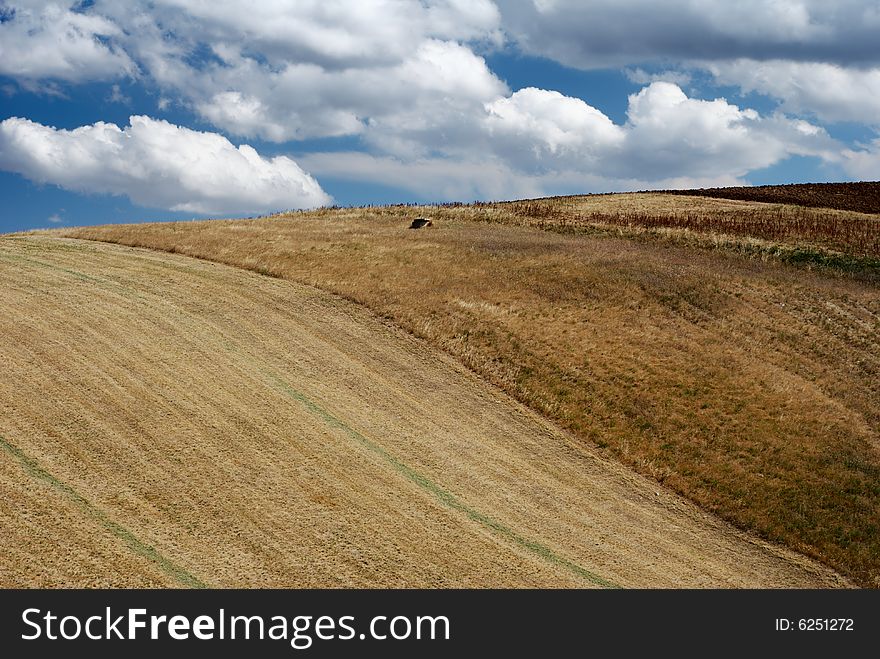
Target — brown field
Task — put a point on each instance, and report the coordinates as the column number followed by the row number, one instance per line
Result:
column 792, row 233
column 174, row 422
column 863, row 197
column 747, row 385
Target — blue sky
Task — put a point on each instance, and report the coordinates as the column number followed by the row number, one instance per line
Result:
column 178, row 109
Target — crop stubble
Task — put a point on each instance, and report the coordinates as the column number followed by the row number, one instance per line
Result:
column 749, row 386
column 165, row 417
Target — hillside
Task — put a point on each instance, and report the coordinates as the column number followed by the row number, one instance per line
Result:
column 738, row 371
column 839, row 240
column 174, row 422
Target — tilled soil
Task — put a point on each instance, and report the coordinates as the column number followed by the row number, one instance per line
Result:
column 863, row 197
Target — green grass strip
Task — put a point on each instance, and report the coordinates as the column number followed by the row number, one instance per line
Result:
column 442, row 495
column 34, row 469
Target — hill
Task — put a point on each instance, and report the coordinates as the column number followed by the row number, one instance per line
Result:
column 738, row 371
column 174, row 422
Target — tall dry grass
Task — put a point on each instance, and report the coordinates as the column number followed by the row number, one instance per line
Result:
column 856, row 234
column 751, row 387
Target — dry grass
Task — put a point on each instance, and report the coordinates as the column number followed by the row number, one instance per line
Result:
column 751, row 387
column 823, row 231
column 171, row 422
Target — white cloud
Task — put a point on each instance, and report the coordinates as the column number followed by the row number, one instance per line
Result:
column 486, row 178
column 431, row 86
column 667, row 135
column 827, row 91
column 406, row 78
column 604, row 33
column 48, row 40
column 55, row 218
column 157, row 164
column 334, row 34
column 297, row 70
column 863, row 164
column 117, row 96
column 537, row 142
column 642, row 77
column 818, row 58
column 431, row 102
column 243, row 115
column 436, row 179
column 552, row 122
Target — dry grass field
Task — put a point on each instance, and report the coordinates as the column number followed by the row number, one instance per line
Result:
column 735, row 377
column 845, row 240
column 166, row 421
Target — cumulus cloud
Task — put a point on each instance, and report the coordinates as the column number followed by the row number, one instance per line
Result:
column 275, row 70
column 280, row 70
column 548, row 124
column 485, row 178
column 283, row 71
column 862, row 164
column 48, row 40
column 827, row 91
column 667, row 134
column 437, row 179
column 604, row 33
column 642, row 77
column 334, row 34
column 157, row 164
column 536, row 142
column 406, row 78
column 817, row 58
column 434, row 84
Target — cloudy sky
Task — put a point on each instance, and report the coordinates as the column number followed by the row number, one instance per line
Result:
column 170, row 109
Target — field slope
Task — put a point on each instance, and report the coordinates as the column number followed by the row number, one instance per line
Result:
column 729, row 350
column 169, row 421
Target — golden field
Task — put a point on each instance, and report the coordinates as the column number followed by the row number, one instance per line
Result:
column 706, row 360
column 174, row 422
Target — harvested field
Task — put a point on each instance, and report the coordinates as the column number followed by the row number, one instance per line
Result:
column 749, row 386
column 173, row 422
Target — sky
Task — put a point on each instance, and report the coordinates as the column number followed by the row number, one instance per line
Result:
column 180, row 109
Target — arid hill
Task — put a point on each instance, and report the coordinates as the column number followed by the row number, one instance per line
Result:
column 741, row 371
column 173, row 422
